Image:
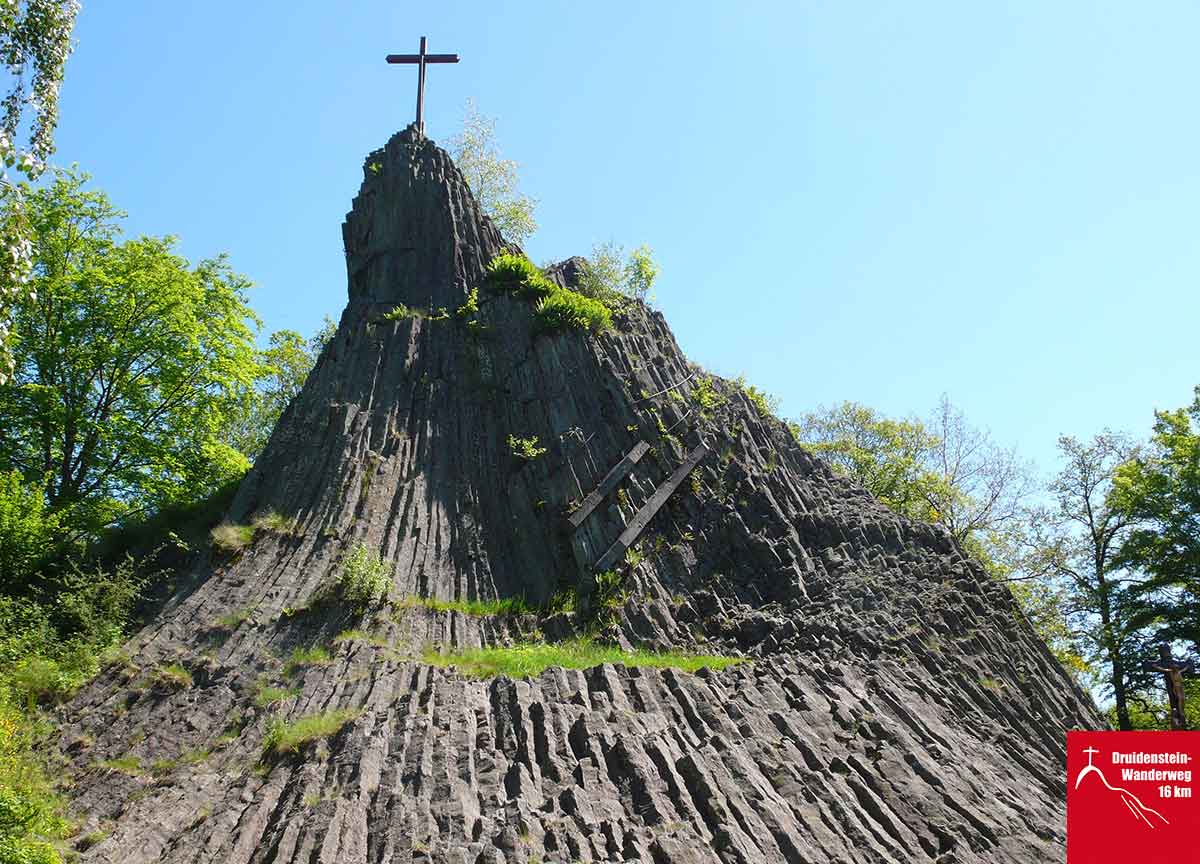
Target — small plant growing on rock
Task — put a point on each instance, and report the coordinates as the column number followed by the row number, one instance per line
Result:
column 272, row 521
column 285, row 737
column 566, row 310
column 231, row 538
column 399, row 312
column 525, row 448
column 173, row 677
column 301, row 657
column 364, row 580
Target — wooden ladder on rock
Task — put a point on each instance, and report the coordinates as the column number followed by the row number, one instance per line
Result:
column 639, row 522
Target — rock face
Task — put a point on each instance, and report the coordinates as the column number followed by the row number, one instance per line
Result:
column 895, row 706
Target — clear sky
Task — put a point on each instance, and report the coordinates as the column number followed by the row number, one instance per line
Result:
column 875, row 201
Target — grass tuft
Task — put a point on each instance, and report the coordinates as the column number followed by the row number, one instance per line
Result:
column 285, row 737
column 267, row 695
column 231, row 538
column 272, row 521
column 173, row 676
column 529, row 659
column 302, row 657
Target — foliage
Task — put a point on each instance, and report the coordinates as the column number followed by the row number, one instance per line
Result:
column 525, row 448
column 890, row 458
column 557, row 308
column 532, row 658
column 706, row 397
column 365, row 579
column 274, row 522
column 282, row 369
column 283, row 737
column 129, row 365
column 1159, row 488
column 28, row 531
column 400, row 312
column 31, row 812
column 231, row 538
column 567, row 310
column 471, row 306
column 492, row 179
column 764, row 403
column 1071, row 546
column 614, row 278
column 35, row 37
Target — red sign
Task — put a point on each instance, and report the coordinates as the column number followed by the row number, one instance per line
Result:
column 1133, row 797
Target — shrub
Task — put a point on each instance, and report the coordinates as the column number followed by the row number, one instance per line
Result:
column 285, row 737
column 525, row 448
column 471, row 306
column 365, row 579
column 231, row 538
column 38, row 679
column 562, row 310
column 27, row 531
column 508, row 269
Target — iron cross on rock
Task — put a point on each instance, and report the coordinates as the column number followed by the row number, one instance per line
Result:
column 421, row 59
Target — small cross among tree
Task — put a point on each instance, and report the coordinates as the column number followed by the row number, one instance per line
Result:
column 420, row 59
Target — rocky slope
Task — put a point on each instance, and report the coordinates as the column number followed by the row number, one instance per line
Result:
column 895, row 706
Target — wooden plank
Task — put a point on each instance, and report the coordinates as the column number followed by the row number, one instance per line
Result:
column 611, row 479
column 617, row 550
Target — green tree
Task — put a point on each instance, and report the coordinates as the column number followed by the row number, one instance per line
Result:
column 129, row 364
column 948, row 472
column 492, row 179
column 1160, row 489
column 887, row 457
column 1073, row 545
column 35, row 41
column 614, row 278
column 28, row 532
column 283, row 369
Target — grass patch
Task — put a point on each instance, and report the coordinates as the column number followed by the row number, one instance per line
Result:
column 284, row 737
column 475, row 608
column 529, row 659
column 165, row 766
column 303, row 657
column 235, row 619
column 272, row 521
column 231, row 538
column 173, row 676
column 267, row 695
column 128, row 764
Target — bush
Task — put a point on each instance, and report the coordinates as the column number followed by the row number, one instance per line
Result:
column 365, row 579
column 30, row 811
column 563, row 310
column 614, row 279
column 27, row 531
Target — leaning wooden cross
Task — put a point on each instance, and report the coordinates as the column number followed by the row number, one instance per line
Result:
column 1172, row 671
column 421, row 59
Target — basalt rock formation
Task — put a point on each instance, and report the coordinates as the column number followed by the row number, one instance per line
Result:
column 894, row 705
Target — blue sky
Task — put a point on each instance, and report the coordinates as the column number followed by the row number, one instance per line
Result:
column 873, row 201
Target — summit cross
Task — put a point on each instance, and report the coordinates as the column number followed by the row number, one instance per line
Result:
column 420, row 60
